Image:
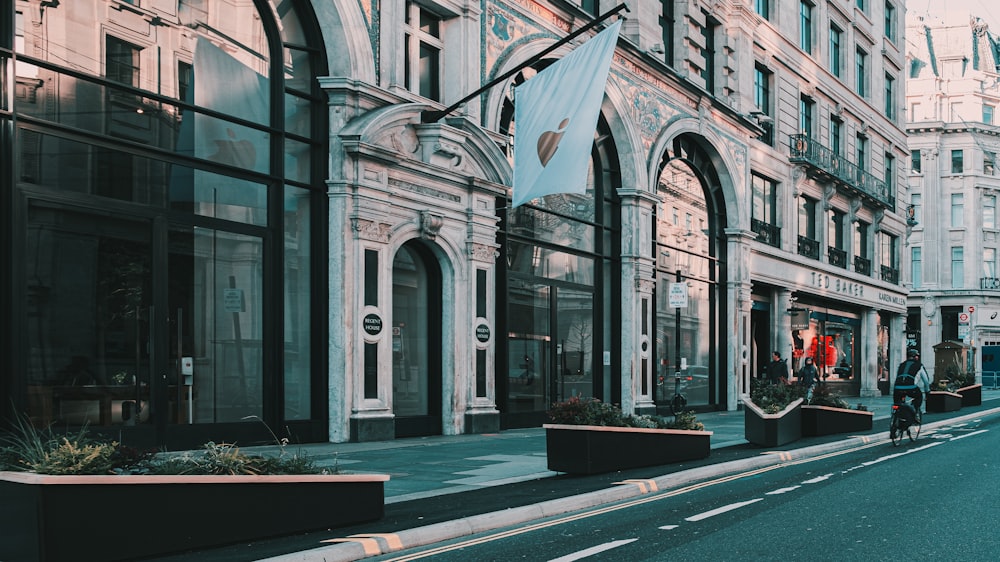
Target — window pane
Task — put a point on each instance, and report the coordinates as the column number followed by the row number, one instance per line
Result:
column 298, row 322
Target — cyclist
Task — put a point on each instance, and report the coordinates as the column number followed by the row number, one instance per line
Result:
column 911, row 380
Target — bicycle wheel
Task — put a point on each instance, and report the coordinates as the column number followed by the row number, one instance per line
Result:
column 894, row 432
column 677, row 404
column 913, row 431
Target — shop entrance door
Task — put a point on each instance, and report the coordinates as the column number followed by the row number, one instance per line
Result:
column 135, row 325
column 550, row 347
column 416, row 341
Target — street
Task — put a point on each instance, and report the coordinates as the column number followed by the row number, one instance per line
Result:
column 935, row 498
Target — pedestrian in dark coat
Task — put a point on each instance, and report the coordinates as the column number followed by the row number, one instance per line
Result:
column 777, row 369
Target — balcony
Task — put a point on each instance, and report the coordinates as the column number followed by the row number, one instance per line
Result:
column 992, row 283
column 837, row 257
column 825, row 165
column 862, row 265
column 766, row 233
column 808, row 247
column 890, row 274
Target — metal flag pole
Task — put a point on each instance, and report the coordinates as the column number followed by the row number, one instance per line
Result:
column 432, row 116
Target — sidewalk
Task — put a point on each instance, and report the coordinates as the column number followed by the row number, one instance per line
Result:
column 433, row 466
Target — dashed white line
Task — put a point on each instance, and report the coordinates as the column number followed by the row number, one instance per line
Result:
column 669, row 527
column 720, row 510
column 818, row 479
column 592, row 550
column 783, row 490
column 969, row 434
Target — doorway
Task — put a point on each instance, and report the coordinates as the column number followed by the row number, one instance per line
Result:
column 136, row 325
column 416, row 341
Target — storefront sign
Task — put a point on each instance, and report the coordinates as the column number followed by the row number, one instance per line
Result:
column 891, row 298
column 838, row 285
column 232, row 300
column 483, row 333
column 373, row 324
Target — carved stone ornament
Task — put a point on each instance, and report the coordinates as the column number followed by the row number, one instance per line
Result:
column 483, row 253
column 430, row 225
column 371, row 230
column 930, row 306
column 645, row 286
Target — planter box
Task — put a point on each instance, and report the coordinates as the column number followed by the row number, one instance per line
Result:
column 825, row 420
column 772, row 430
column 943, row 401
column 971, row 395
column 591, row 449
column 127, row 517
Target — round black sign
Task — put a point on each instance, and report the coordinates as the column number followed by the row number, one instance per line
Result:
column 483, row 333
column 373, row 324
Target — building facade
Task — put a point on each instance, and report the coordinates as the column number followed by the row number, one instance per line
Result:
column 224, row 213
column 952, row 94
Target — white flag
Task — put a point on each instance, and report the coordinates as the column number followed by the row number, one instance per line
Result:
column 555, row 116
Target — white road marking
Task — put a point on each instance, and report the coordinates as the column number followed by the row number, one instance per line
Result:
column 818, row 479
column 969, row 434
column 592, row 550
column 669, row 527
column 783, row 490
column 720, row 510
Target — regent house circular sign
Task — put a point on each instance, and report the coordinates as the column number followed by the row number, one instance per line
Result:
column 483, row 333
column 373, row 324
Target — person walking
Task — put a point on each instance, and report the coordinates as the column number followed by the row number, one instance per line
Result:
column 777, row 369
column 807, row 377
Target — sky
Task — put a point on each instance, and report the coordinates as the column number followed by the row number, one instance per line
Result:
column 988, row 10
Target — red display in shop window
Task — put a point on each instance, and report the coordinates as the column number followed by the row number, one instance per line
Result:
column 824, row 354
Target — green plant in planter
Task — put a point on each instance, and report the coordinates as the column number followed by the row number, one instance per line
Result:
column 27, row 449
column 591, row 411
column 823, row 396
column 773, row 398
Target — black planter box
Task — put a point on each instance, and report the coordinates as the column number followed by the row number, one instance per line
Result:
column 825, row 420
column 971, row 395
column 590, row 449
column 109, row 518
column 772, row 430
column 943, row 401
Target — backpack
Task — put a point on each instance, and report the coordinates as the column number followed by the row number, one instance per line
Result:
column 907, row 375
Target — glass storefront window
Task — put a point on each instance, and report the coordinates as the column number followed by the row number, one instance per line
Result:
column 298, row 310
column 59, row 163
column 831, row 341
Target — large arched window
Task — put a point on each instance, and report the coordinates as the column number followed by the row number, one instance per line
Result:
column 559, row 278
column 168, row 172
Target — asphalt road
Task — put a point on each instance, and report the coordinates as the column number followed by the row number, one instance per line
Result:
column 935, row 499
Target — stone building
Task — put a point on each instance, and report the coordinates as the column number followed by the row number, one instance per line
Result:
column 218, row 213
column 952, row 94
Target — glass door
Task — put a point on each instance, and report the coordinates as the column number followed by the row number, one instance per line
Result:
column 89, row 299
column 214, row 368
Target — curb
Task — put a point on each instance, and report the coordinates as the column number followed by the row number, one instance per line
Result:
column 357, row 547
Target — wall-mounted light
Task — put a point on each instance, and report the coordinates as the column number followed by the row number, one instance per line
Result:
column 911, row 215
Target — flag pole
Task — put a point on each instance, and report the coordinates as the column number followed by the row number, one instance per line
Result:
column 433, row 116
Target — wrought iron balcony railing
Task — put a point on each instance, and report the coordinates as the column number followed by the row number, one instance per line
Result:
column 826, row 164
column 808, row 247
column 890, row 274
column 862, row 265
column 766, row 233
column 989, row 283
column 837, row 257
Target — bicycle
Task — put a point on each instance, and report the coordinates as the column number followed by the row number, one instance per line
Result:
column 679, row 401
column 903, row 419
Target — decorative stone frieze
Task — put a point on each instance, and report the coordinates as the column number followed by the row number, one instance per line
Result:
column 371, row 230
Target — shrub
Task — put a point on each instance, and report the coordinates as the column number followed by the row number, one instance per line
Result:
column 591, row 411
column 27, row 449
column 773, row 398
column 822, row 396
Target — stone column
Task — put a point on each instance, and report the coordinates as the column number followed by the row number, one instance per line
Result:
column 638, row 282
column 737, row 321
column 869, row 355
